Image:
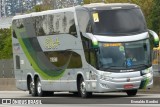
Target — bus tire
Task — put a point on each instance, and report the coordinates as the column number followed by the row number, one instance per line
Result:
column 131, row 92
column 32, row 88
column 82, row 89
column 40, row 92
column 29, row 82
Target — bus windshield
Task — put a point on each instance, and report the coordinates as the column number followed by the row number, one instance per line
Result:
column 118, row 22
column 129, row 55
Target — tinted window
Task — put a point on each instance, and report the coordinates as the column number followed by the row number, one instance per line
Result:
column 118, row 22
column 17, row 62
column 59, row 23
column 90, row 54
column 66, row 59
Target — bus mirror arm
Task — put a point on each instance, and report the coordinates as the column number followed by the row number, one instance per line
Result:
column 155, row 37
column 94, row 49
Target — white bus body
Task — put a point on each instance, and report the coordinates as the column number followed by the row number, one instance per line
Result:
column 83, row 49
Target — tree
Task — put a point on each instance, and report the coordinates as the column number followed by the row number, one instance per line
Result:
column 86, row 1
column 46, row 5
column 38, row 8
column 5, row 44
column 155, row 16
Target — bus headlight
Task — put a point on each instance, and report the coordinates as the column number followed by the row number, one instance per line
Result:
column 146, row 71
column 149, row 75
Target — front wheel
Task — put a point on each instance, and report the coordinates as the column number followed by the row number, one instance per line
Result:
column 82, row 89
column 131, row 92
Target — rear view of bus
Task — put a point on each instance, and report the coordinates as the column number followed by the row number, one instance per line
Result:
column 117, row 46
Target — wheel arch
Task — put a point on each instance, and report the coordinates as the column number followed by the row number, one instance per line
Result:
column 35, row 77
column 29, row 77
column 79, row 76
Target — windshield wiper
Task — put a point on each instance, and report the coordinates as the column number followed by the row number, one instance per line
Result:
column 113, row 67
column 146, row 65
column 142, row 65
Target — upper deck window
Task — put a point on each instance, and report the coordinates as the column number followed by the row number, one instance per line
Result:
column 118, row 22
column 58, row 23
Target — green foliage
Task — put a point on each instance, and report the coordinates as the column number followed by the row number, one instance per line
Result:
column 86, row 1
column 5, row 44
column 47, row 5
column 38, row 8
column 155, row 16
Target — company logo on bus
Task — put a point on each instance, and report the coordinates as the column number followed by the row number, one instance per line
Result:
column 50, row 43
column 128, row 79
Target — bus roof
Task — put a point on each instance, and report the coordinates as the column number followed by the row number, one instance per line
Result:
column 110, row 6
column 92, row 6
column 43, row 13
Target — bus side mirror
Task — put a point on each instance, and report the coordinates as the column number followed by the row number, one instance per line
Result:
column 155, row 38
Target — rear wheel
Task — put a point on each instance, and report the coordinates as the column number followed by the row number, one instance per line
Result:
column 40, row 92
column 82, row 89
column 131, row 92
column 32, row 88
column 29, row 85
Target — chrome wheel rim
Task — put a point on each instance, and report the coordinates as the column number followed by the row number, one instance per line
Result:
column 39, row 88
column 82, row 87
column 31, row 87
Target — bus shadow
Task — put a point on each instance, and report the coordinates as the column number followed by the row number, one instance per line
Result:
column 94, row 96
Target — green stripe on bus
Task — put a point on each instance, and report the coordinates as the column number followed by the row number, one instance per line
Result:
column 34, row 65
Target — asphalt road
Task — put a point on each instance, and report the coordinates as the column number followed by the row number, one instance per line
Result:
column 69, row 100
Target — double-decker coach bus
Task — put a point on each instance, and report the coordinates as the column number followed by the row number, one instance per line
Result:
column 85, row 49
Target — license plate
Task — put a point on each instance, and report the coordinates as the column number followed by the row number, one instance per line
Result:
column 128, row 86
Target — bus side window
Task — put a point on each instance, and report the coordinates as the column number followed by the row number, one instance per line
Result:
column 92, row 58
column 17, row 62
column 72, row 30
column 86, row 50
column 92, row 55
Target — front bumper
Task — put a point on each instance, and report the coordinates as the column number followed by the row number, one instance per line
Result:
column 120, row 84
